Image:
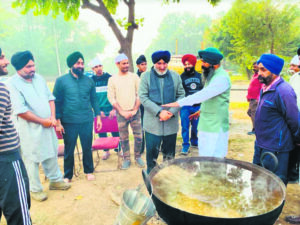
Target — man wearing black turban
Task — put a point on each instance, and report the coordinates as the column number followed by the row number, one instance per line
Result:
column 12, row 170
column 76, row 105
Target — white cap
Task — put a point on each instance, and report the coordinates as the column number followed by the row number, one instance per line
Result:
column 95, row 62
column 120, row 58
column 295, row 60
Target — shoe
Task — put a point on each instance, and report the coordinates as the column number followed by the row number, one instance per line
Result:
column 185, row 151
column 140, row 162
column 90, row 177
column 251, row 132
column 67, row 180
column 293, row 219
column 126, row 164
column 193, row 145
column 59, row 185
column 293, row 181
column 39, row 196
column 106, row 155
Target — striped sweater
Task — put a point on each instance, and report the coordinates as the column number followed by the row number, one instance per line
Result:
column 9, row 139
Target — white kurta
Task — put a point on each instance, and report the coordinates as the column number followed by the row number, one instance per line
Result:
column 214, row 144
column 37, row 143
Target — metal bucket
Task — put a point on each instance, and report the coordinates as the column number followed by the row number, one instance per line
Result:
column 136, row 208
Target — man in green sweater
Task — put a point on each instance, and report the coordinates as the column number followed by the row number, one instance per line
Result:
column 76, row 104
column 101, row 80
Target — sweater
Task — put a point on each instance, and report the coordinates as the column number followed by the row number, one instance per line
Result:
column 254, row 88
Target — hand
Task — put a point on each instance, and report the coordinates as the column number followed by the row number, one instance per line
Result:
column 126, row 114
column 173, row 104
column 46, row 123
column 195, row 115
column 133, row 112
column 112, row 114
column 52, row 118
column 102, row 114
column 98, row 123
column 60, row 129
column 165, row 115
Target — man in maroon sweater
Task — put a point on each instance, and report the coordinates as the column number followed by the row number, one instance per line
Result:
column 253, row 95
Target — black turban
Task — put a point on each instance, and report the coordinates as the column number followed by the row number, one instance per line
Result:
column 20, row 59
column 141, row 59
column 298, row 51
column 73, row 58
column 158, row 55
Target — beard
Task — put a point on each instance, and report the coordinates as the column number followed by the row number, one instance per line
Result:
column 125, row 69
column 190, row 70
column 265, row 80
column 208, row 72
column 78, row 71
column 3, row 72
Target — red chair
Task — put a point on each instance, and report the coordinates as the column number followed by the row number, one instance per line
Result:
column 61, row 152
column 101, row 143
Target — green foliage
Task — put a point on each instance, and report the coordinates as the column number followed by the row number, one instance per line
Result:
column 185, row 28
column 251, row 28
column 212, row 2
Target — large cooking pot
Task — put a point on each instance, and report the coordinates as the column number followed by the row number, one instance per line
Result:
column 260, row 180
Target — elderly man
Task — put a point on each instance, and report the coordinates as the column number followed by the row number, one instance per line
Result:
column 141, row 64
column 253, row 96
column 122, row 94
column 276, row 119
column 213, row 126
column 101, row 80
column 160, row 86
column 76, row 104
column 192, row 83
column 33, row 104
column 14, row 191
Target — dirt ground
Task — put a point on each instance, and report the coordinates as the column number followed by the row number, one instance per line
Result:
column 97, row 202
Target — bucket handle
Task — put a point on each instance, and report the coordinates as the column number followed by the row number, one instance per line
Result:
column 273, row 156
column 147, row 182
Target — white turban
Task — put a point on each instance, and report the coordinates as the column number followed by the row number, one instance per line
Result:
column 95, row 62
column 120, row 58
column 295, row 60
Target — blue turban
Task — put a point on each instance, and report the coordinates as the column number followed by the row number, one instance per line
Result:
column 158, row 55
column 271, row 62
column 20, row 59
column 73, row 58
column 211, row 55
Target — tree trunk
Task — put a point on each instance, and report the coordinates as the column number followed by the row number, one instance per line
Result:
column 126, row 47
column 249, row 73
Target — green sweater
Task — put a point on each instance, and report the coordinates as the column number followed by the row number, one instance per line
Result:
column 75, row 99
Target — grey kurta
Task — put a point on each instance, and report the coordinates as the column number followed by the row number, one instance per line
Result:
column 152, row 124
column 37, row 142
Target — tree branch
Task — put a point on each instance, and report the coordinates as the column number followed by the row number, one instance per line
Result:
column 126, row 2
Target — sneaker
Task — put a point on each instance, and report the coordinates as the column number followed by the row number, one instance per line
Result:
column 90, row 177
column 140, row 162
column 126, row 164
column 185, row 151
column 59, row 185
column 39, row 196
column 194, row 145
column 106, row 155
column 251, row 132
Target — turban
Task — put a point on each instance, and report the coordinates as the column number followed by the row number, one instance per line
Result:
column 211, row 55
column 298, row 51
column 295, row 60
column 120, row 58
column 73, row 58
column 95, row 62
column 271, row 62
column 140, row 59
column 158, row 55
column 20, row 59
column 190, row 58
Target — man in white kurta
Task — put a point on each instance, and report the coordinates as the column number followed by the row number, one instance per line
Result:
column 33, row 104
column 213, row 126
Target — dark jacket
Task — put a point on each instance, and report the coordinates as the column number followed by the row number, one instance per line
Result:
column 75, row 99
column 191, row 83
column 277, row 118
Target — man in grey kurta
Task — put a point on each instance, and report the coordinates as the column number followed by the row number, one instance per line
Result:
column 33, row 105
column 160, row 86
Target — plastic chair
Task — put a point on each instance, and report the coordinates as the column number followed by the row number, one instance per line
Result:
column 101, row 143
column 61, row 152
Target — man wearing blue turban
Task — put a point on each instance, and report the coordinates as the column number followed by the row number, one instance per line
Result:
column 213, row 126
column 276, row 118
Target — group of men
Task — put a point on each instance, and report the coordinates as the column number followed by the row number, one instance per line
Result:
column 148, row 101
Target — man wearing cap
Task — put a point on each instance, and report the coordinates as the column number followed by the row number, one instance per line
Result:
column 123, row 96
column 253, row 96
column 14, row 189
column 141, row 64
column 101, row 80
column 76, row 104
column 191, row 82
column 213, row 126
column 33, row 104
column 276, row 119
column 160, row 86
